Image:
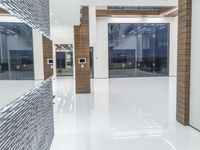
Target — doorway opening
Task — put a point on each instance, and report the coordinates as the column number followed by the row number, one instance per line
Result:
column 64, row 60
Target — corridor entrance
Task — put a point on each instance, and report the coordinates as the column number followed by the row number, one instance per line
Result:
column 64, row 60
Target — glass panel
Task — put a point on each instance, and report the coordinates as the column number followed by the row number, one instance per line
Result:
column 116, row 57
column 145, row 59
column 25, row 63
column 91, row 62
column 69, row 63
column 135, row 7
column 122, row 50
column 138, row 50
column 161, row 49
column 64, row 63
column 16, row 52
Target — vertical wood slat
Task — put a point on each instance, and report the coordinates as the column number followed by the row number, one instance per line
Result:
column 47, row 53
column 184, row 51
column 82, row 51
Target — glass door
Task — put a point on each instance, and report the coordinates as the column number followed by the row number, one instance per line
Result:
column 122, row 51
column 64, row 63
column 161, row 53
column 138, row 50
column 25, row 64
column 91, row 62
column 13, row 65
column 21, row 65
column 145, row 53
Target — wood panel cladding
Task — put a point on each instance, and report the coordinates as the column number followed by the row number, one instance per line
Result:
column 47, row 53
column 111, row 12
column 184, row 51
column 82, row 51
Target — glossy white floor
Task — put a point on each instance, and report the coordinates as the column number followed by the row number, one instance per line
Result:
column 11, row 89
column 120, row 114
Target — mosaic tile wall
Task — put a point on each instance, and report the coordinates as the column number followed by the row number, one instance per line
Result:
column 27, row 123
column 33, row 12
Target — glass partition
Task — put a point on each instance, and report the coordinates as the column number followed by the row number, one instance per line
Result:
column 16, row 52
column 64, row 62
column 138, row 50
column 91, row 62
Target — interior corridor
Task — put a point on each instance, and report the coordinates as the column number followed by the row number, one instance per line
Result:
column 126, row 113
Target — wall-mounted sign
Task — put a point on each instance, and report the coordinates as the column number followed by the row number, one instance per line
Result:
column 82, row 61
column 50, row 61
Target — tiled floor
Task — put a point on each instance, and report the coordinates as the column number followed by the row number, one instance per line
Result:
column 120, row 114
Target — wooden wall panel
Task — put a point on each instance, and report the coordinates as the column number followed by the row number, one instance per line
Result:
column 47, row 53
column 111, row 12
column 184, row 50
column 82, row 51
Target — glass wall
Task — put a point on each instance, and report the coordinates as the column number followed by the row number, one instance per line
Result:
column 16, row 52
column 138, row 50
column 64, row 62
column 91, row 62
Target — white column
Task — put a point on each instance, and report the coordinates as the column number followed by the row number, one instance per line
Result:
column 195, row 67
column 92, row 25
column 38, row 56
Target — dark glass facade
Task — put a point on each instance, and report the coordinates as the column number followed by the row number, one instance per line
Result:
column 138, row 50
column 135, row 7
column 91, row 62
column 16, row 52
column 64, row 62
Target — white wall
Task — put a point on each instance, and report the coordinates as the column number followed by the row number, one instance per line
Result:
column 173, row 46
column 62, row 34
column 195, row 69
column 101, row 49
column 64, row 14
column 38, row 55
column 92, row 25
column 54, row 63
column 101, row 46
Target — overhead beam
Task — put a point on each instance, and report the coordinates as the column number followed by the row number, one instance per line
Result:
column 111, row 12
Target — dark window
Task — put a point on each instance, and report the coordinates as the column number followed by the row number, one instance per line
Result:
column 16, row 52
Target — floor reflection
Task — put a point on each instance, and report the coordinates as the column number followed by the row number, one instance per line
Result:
column 11, row 89
column 120, row 114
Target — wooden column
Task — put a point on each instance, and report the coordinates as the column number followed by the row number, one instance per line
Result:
column 47, row 53
column 184, row 51
column 82, row 72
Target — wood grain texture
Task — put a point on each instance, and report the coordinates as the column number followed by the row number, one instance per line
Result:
column 184, row 51
column 82, row 51
column 47, row 53
column 111, row 12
